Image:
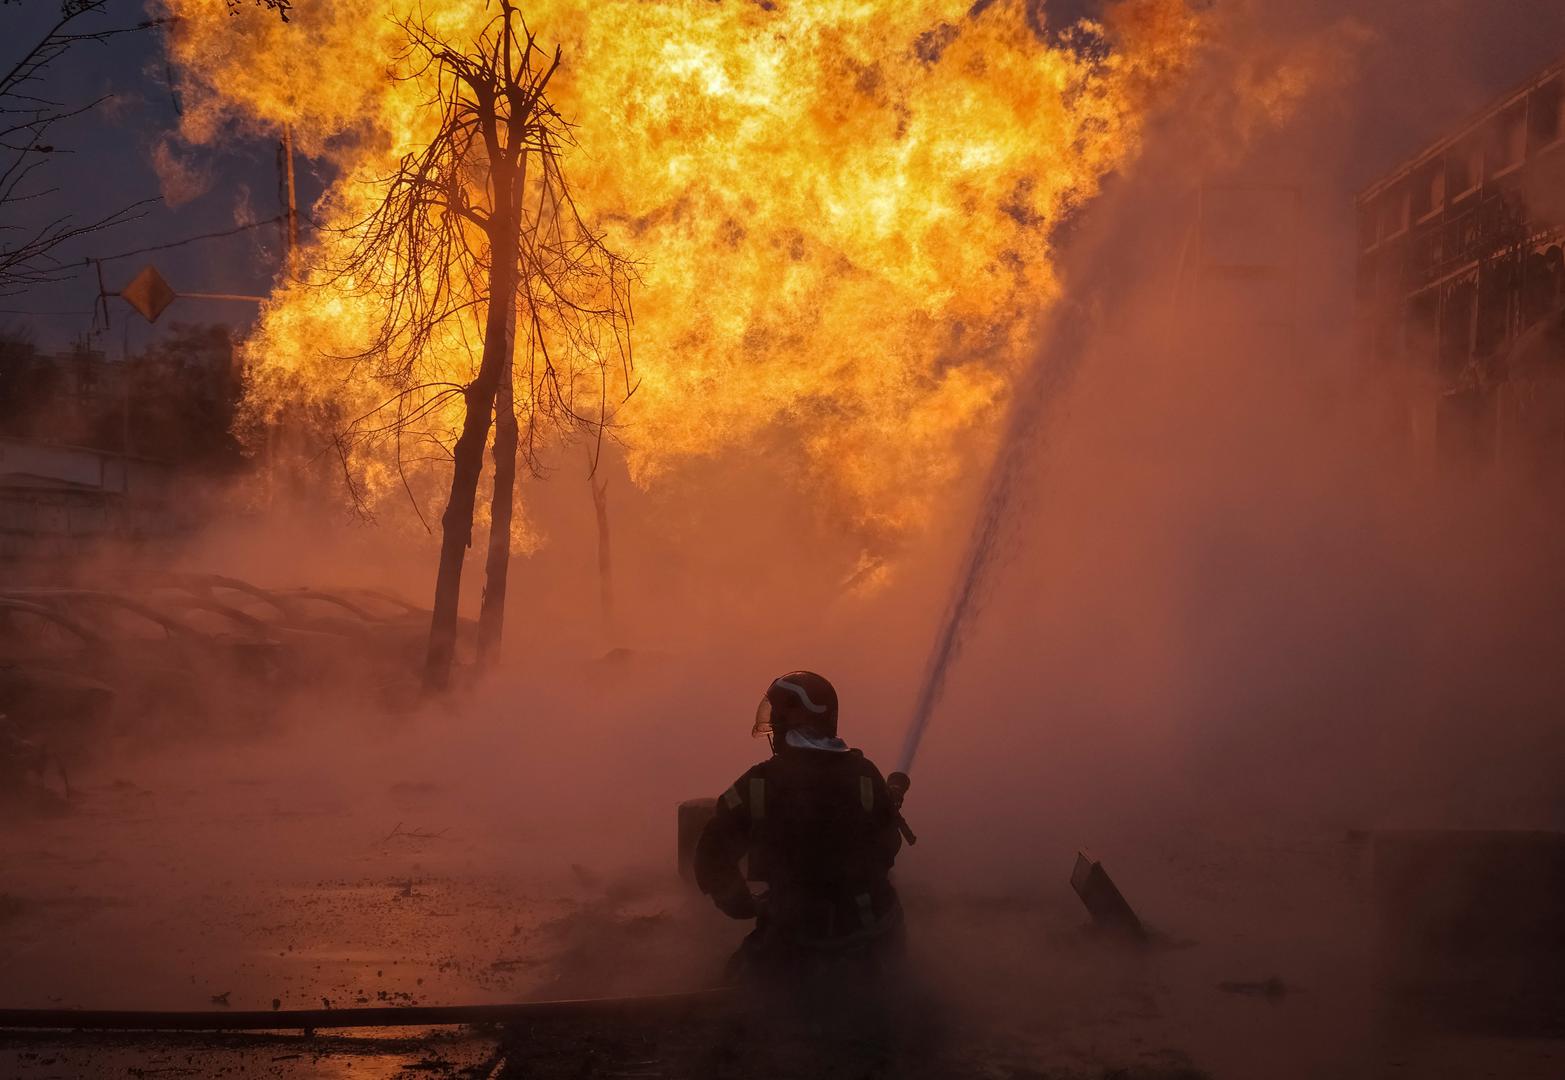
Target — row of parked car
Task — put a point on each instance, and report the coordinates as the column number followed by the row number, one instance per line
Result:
column 196, row 651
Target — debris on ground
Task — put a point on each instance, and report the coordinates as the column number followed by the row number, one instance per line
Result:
column 1270, row 988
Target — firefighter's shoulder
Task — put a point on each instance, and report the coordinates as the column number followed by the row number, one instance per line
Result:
column 748, row 789
column 867, row 766
column 871, row 785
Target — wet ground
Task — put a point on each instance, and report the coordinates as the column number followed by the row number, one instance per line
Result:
column 256, row 887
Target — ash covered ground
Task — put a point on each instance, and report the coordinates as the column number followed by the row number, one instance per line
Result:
column 278, row 877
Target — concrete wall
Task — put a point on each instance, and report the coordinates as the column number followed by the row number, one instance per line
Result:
column 62, row 501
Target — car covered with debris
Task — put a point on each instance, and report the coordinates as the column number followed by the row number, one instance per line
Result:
column 163, row 670
column 372, row 637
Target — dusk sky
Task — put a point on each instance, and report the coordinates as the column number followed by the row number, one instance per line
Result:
column 112, row 151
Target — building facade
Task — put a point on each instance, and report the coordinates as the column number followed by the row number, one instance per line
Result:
column 99, row 453
column 1461, row 281
column 59, row 503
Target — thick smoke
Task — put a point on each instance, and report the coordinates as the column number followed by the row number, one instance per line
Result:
column 1228, row 600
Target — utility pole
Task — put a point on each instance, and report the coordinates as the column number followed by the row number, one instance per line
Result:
column 290, row 200
column 600, row 503
column 290, row 203
column 125, row 374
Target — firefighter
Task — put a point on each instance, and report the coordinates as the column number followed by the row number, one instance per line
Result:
column 820, row 829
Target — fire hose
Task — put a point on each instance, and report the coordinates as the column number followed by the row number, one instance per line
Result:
column 897, row 784
column 308, row 1020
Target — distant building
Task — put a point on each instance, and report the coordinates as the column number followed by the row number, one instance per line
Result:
column 97, row 451
column 58, row 503
column 1461, row 280
column 175, row 400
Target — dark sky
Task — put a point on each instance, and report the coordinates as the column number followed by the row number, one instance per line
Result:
column 1429, row 63
column 110, row 164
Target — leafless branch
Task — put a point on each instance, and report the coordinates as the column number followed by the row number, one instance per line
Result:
column 29, row 250
column 423, row 254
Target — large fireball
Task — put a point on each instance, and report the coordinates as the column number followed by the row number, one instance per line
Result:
column 842, row 211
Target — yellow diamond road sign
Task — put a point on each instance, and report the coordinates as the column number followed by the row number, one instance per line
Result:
column 149, row 294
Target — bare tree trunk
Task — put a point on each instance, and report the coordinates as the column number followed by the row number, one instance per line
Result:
column 491, row 616
column 418, row 247
column 468, row 458
column 600, row 503
column 456, row 530
column 497, row 567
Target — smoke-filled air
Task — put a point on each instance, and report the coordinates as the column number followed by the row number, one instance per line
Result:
column 763, row 539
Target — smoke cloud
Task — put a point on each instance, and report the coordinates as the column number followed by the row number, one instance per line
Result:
column 1235, row 617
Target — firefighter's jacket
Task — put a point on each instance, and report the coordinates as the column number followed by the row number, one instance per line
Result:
column 819, row 829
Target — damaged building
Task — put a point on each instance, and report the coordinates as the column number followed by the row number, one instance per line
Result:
column 1461, row 282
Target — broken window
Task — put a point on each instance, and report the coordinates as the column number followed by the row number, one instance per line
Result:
column 1456, row 324
column 1543, row 283
column 1463, row 168
column 1492, row 324
column 1428, row 250
column 1428, row 189
column 1507, row 140
column 1393, row 212
column 1546, row 114
column 1423, row 326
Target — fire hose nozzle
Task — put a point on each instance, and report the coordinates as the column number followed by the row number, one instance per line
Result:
column 897, row 784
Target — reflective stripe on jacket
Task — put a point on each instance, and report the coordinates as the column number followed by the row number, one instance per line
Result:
column 819, row 829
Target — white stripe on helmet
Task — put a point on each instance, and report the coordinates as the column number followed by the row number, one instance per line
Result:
column 803, row 695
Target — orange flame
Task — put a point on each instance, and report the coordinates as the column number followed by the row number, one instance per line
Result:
column 842, row 208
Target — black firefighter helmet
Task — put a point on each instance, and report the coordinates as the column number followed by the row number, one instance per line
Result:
column 799, row 699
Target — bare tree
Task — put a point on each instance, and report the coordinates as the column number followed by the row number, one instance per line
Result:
column 31, row 236
column 282, row 7
column 480, row 227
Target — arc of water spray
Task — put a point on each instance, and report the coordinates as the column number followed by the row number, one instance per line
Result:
column 1050, row 372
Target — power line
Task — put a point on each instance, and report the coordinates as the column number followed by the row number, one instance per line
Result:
column 24, row 311
column 187, row 240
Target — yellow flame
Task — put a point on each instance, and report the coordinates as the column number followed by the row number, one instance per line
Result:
column 842, row 209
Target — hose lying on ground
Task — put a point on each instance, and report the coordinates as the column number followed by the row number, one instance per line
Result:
column 663, row 1005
